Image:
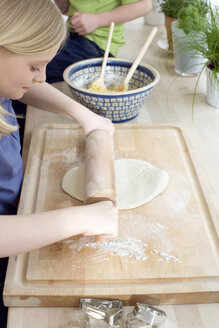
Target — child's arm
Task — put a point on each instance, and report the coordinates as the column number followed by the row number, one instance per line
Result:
column 22, row 233
column 46, row 97
column 85, row 23
column 63, row 5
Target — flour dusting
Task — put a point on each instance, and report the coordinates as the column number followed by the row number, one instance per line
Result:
column 166, row 256
column 130, row 247
column 161, row 226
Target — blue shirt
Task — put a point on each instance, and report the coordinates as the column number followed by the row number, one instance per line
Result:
column 11, row 168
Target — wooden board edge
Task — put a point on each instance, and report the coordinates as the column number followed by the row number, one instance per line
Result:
column 74, row 300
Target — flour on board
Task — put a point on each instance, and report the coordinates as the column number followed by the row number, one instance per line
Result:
column 123, row 247
column 130, row 247
column 166, row 256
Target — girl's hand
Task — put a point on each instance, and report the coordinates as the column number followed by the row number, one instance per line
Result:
column 102, row 219
column 84, row 23
column 97, row 122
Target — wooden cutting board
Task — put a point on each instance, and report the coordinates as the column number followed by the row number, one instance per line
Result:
column 176, row 229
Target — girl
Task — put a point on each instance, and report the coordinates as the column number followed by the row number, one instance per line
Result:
column 31, row 32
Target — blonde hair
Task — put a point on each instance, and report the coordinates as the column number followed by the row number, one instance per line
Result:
column 29, row 27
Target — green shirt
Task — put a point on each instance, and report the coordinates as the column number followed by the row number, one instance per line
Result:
column 100, row 35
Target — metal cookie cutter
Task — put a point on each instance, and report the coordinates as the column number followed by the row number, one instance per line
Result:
column 113, row 316
column 151, row 315
column 133, row 322
column 109, row 311
column 110, row 316
column 94, row 323
column 97, row 303
column 95, row 313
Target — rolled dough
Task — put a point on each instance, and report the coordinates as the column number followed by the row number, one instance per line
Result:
column 137, row 182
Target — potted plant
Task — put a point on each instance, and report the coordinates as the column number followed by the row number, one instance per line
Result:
column 191, row 21
column 171, row 8
column 207, row 45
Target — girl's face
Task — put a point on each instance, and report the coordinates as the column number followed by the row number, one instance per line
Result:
column 19, row 72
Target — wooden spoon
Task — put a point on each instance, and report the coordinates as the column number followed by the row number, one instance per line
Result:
column 124, row 86
column 99, row 85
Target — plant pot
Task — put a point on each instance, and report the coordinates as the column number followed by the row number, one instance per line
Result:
column 154, row 17
column 187, row 61
column 212, row 89
column 168, row 21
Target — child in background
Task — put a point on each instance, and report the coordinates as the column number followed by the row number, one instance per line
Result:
column 31, row 33
column 88, row 25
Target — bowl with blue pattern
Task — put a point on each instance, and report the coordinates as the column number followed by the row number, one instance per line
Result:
column 118, row 106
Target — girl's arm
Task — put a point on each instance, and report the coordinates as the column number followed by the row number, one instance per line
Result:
column 125, row 13
column 46, row 97
column 84, row 23
column 22, row 233
column 28, row 232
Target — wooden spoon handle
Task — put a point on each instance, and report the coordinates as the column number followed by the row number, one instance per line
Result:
column 106, row 53
column 140, row 55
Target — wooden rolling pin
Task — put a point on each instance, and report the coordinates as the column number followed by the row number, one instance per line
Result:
column 99, row 167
